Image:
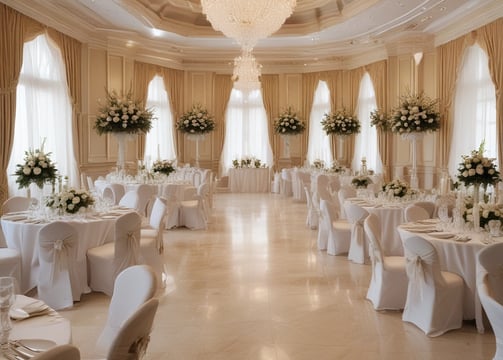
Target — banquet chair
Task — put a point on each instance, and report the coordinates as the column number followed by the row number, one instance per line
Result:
column 322, row 184
column 105, row 262
column 358, row 248
column 191, row 214
column 151, row 242
column 58, row 276
column 429, row 206
column 339, row 231
column 285, row 188
column 16, row 203
column 133, row 337
column 131, row 200
column 312, row 211
column 203, row 194
column 113, row 191
column 388, row 283
column 434, row 297
column 59, row 352
column 132, row 288
column 415, row 213
column 145, row 195
column 345, row 192
column 490, row 290
column 275, row 183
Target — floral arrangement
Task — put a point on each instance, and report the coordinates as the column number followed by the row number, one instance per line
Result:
column 478, row 169
column 196, row 121
column 70, row 200
column 487, row 212
column 163, row 166
column 122, row 114
column 340, row 123
column 288, row 123
column 248, row 162
column 318, row 164
column 361, row 182
column 337, row 168
column 379, row 120
column 416, row 113
column 398, row 187
column 37, row 168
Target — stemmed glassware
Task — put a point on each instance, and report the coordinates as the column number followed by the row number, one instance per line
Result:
column 7, row 296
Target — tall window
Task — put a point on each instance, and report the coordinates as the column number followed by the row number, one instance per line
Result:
column 319, row 142
column 43, row 110
column 246, row 129
column 366, row 140
column 474, row 109
column 159, row 140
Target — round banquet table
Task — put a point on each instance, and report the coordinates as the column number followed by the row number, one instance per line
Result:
column 461, row 258
column 22, row 233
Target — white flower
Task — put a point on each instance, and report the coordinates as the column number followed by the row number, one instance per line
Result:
column 479, row 169
column 27, row 170
column 37, row 170
column 76, row 200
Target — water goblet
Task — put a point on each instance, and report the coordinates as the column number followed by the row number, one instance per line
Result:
column 494, row 227
column 7, row 296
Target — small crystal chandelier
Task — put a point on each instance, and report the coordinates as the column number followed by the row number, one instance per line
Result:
column 247, row 72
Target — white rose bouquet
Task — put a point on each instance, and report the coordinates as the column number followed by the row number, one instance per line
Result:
column 398, row 187
column 487, row 212
column 478, row 169
column 340, row 123
column 70, row 200
column 416, row 113
column 319, row 164
column 196, row 121
column 163, row 167
column 361, row 182
column 248, row 162
column 289, row 123
column 37, row 168
column 123, row 114
column 379, row 119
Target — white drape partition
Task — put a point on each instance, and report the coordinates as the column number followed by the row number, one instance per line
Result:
column 43, row 110
column 319, row 141
column 474, row 109
column 366, row 140
column 246, row 130
column 159, row 142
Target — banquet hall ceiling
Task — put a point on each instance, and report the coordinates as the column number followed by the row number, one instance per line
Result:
column 320, row 33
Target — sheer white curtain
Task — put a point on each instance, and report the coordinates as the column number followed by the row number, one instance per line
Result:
column 366, row 141
column 246, row 130
column 43, row 110
column 319, row 142
column 474, row 109
column 159, row 141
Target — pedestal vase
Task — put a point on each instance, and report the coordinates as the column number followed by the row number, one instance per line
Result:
column 196, row 138
column 413, row 137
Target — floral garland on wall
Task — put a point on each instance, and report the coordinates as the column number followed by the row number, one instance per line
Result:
column 340, row 123
column 123, row 114
column 196, row 121
column 289, row 123
column 416, row 113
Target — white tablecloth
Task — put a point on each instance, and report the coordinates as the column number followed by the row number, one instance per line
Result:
column 460, row 258
column 249, row 180
column 23, row 235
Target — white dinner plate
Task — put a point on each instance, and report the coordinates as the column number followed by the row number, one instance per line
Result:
column 442, row 235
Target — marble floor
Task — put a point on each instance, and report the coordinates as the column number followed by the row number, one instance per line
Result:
column 254, row 286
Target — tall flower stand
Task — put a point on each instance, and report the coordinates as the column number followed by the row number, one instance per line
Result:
column 122, row 139
column 476, row 208
column 196, row 138
column 286, row 143
column 413, row 137
column 340, row 148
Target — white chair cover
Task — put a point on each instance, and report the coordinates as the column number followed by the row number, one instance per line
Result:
column 415, row 213
column 118, row 191
column 59, row 352
column 429, row 206
column 339, row 231
column 151, row 243
column 312, row 212
column 57, row 251
column 322, row 187
column 108, row 260
column 388, row 284
column 192, row 215
column 490, row 290
column 132, row 341
column 131, row 200
column 133, row 287
column 286, row 183
column 344, row 193
column 358, row 252
column 145, row 195
column 434, row 298
column 275, row 186
column 203, row 194
column 15, row 203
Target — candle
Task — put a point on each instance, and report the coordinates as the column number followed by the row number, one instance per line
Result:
column 158, row 152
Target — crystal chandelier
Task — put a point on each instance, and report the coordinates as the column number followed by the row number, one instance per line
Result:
column 246, row 74
column 247, row 21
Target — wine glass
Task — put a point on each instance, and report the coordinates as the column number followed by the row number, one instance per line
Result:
column 7, row 296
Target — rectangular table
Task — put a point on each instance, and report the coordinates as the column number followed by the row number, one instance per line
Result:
column 249, row 180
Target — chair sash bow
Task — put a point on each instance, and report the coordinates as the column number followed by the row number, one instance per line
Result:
column 415, row 270
column 57, row 252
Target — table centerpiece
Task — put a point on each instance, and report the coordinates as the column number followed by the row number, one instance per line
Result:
column 70, row 201
column 163, row 167
column 397, row 188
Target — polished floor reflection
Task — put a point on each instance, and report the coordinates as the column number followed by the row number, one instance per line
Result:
column 254, row 286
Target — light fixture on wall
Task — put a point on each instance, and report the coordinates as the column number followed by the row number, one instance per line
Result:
column 247, row 21
column 247, row 72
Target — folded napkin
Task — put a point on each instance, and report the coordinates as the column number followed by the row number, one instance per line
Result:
column 25, row 307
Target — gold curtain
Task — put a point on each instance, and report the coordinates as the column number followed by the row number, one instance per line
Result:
column 449, row 57
column 490, row 40
column 71, row 52
column 333, row 78
column 309, row 84
column 223, row 88
column 378, row 72
column 355, row 77
column 270, row 96
column 173, row 82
